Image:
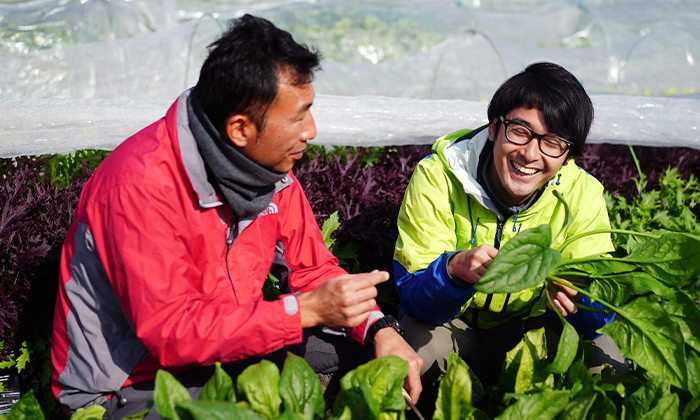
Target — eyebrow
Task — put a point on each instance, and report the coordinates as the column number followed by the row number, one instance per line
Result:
column 528, row 125
column 304, row 108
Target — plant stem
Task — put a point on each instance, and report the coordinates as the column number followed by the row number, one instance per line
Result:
column 551, row 303
column 636, row 162
column 567, row 274
column 602, row 231
column 588, row 308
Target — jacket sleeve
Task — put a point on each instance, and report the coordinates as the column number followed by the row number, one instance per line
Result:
column 426, row 240
column 182, row 311
column 306, row 255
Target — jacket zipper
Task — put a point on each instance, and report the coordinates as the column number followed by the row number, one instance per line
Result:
column 497, row 245
column 232, row 223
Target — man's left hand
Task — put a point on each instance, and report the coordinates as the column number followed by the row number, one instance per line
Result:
column 564, row 299
column 388, row 342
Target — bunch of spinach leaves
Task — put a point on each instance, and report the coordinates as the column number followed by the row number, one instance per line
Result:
column 261, row 391
column 372, row 390
column 657, row 324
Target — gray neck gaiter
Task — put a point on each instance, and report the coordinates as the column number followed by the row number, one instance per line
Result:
column 246, row 186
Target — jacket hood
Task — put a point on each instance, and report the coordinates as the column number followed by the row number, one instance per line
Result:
column 459, row 152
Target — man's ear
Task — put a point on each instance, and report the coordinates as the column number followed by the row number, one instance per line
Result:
column 241, row 130
column 492, row 130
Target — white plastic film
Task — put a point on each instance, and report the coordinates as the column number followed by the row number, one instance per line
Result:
column 87, row 74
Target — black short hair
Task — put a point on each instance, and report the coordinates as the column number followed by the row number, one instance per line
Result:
column 242, row 70
column 553, row 90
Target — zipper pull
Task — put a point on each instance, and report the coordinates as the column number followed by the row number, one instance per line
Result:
column 232, row 224
column 229, row 235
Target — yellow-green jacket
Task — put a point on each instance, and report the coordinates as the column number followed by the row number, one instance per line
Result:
column 445, row 210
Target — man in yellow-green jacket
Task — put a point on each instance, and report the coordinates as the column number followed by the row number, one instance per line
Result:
column 478, row 190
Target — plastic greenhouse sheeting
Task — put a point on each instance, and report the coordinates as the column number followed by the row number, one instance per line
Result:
column 87, row 74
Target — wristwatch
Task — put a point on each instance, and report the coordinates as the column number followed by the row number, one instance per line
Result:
column 385, row 322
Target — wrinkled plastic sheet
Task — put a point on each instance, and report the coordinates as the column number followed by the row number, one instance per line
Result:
column 45, row 126
column 394, row 72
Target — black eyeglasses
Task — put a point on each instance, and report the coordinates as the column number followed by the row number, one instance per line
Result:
column 550, row 145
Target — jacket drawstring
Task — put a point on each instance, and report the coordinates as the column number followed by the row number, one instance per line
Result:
column 558, row 179
column 515, row 219
column 474, row 233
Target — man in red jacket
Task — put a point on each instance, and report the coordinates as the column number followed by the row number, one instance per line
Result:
column 177, row 230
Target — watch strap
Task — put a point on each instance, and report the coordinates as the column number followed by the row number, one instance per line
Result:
column 387, row 321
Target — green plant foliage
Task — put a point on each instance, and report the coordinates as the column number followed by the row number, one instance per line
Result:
column 458, row 390
column 651, row 282
column 219, row 387
column 373, row 390
column 366, row 156
column 525, row 365
column 375, row 387
column 329, row 226
column 94, row 412
column 200, row 410
column 638, row 334
column 258, row 385
column 26, row 408
column 63, row 167
column 543, row 405
column 521, row 263
column 167, row 394
column 652, row 290
column 300, row 389
column 672, row 207
column 566, row 349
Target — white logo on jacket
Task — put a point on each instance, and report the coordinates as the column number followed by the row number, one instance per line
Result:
column 271, row 209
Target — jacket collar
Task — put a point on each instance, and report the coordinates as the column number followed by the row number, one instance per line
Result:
column 194, row 165
column 462, row 156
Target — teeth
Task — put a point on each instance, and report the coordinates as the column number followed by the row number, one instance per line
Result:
column 520, row 168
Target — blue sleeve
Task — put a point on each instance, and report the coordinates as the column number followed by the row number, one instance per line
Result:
column 430, row 295
column 585, row 322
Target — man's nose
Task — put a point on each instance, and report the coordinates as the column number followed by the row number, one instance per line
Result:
column 309, row 131
column 531, row 151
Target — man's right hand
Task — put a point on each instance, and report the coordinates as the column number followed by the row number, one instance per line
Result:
column 342, row 302
column 471, row 265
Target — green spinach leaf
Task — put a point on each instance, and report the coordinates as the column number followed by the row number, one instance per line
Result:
column 646, row 334
column 566, row 349
column 373, row 390
column 167, row 394
column 524, row 365
column 300, row 389
column 522, row 262
column 219, row 387
column 541, row 405
column 258, row 384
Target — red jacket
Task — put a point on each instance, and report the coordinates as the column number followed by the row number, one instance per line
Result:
column 148, row 279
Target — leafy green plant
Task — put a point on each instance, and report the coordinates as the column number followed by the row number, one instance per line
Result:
column 372, row 390
column 529, row 389
column 365, row 185
column 674, row 206
column 63, row 167
column 347, row 253
column 651, row 289
column 28, row 408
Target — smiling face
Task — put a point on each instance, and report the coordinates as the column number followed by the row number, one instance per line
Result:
column 519, row 170
column 288, row 126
